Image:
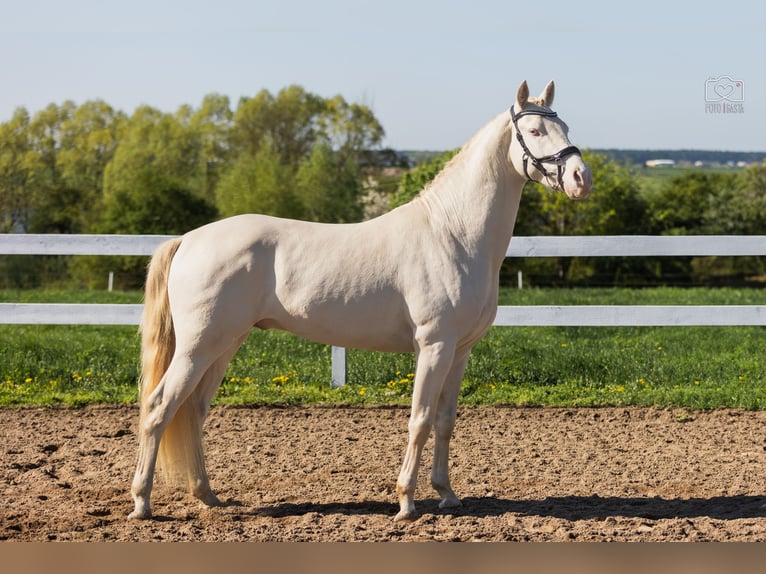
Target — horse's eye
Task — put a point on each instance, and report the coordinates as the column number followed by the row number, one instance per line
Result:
column 534, row 132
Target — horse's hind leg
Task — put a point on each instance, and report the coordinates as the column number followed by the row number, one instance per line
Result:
column 176, row 386
column 444, row 424
column 203, row 394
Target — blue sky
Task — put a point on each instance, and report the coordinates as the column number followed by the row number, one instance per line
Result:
column 628, row 75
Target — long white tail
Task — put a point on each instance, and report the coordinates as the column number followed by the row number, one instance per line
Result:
column 180, row 458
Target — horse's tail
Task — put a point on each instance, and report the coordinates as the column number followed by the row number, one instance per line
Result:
column 180, row 454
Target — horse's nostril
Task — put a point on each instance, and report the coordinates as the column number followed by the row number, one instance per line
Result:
column 582, row 178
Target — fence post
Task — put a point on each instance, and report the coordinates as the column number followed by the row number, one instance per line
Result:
column 338, row 359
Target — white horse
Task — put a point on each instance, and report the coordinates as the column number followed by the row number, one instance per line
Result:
column 422, row 278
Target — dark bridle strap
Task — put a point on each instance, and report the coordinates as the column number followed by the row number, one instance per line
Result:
column 556, row 158
column 522, row 113
column 559, row 155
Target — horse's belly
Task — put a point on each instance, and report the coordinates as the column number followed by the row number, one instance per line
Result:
column 351, row 328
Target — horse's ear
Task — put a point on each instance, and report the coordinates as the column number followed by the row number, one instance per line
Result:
column 546, row 98
column 522, row 95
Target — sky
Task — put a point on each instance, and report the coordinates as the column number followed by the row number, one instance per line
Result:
column 638, row 75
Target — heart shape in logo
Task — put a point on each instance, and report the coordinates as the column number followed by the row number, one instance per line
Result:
column 723, row 90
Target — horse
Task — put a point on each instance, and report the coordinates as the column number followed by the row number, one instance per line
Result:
column 423, row 277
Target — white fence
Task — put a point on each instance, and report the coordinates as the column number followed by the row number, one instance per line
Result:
column 507, row 316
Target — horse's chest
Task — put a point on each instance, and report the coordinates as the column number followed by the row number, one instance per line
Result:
column 468, row 307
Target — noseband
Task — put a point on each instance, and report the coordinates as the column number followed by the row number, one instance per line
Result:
column 557, row 158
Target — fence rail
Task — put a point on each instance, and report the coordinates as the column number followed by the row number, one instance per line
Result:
column 592, row 246
column 52, row 244
column 543, row 315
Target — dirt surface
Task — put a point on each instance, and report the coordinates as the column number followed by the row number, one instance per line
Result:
column 328, row 474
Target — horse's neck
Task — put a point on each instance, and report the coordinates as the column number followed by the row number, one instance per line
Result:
column 476, row 198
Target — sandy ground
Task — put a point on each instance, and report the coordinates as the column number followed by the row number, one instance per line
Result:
column 328, row 474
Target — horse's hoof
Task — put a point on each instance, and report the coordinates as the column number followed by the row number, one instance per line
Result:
column 209, row 499
column 140, row 515
column 450, row 502
column 405, row 516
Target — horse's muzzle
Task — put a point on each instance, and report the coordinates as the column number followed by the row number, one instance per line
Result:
column 578, row 182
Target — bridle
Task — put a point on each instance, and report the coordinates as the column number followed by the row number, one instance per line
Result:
column 557, row 158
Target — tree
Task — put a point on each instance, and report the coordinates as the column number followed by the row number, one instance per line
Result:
column 89, row 138
column 679, row 206
column 298, row 155
column 328, row 188
column 258, row 184
column 350, row 129
column 294, row 120
column 164, row 142
column 737, row 207
column 155, row 204
column 287, row 123
column 212, row 123
column 44, row 133
column 20, row 167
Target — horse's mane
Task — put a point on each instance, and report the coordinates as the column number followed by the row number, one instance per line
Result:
column 453, row 162
column 463, row 155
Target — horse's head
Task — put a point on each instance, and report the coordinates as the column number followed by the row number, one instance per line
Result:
column 541, row 150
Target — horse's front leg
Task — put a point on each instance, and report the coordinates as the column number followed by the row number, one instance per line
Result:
column 432, row 365
column 444, row 424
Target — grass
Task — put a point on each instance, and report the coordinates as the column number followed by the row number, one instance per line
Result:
column 696, row 368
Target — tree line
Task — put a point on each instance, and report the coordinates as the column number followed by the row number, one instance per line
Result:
column 93, row 169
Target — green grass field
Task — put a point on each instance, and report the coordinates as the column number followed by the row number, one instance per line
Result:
column 696, row 368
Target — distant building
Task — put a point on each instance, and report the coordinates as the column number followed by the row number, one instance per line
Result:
column 660, row 163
